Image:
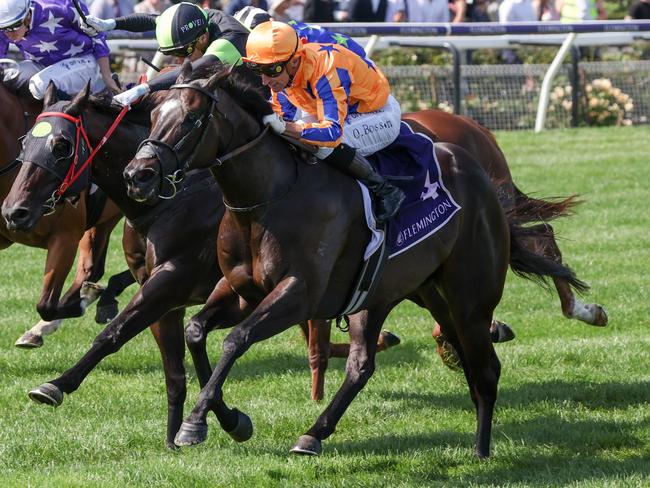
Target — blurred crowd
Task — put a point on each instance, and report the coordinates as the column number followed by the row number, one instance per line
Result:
column 393, row 10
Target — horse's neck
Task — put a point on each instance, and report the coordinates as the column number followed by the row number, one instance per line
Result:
column 112, row 158
column 260, row 173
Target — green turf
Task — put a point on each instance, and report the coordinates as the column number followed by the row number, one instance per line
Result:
column 573, row 406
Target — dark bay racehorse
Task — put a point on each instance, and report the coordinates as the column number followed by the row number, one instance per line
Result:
column 170, row 244
column 291, row 241
column 61, row 233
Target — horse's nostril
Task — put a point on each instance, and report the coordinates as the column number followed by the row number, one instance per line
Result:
column 16, row 215
column 143, row 176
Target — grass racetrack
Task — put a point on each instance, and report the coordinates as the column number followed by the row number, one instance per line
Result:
column 573, row 406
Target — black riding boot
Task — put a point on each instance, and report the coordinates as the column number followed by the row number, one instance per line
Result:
column 388, row 198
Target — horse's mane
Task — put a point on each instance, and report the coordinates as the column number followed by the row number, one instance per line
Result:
column 248, row 96
column 139, row 113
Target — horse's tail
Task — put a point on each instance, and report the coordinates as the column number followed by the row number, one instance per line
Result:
column 528, row 209
column 536, row 267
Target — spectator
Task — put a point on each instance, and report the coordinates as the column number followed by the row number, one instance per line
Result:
column 517, row 11
column 111, row 9
column 236, row 5
column 579, row 10
column 155, row 7
column 316, row 11
column 424, row 11
column 367, row 11
column 477, row 11
column 546, row 10
column 286, row 10
column 639, row 10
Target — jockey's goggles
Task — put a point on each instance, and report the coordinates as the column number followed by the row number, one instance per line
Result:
column 272, row 70
column 180, row 52
column 14, row 27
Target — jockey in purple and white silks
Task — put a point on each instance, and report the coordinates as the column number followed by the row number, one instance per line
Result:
column 49, row 36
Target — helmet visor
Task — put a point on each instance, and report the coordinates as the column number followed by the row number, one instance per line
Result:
column 179, row 52
column 14, row 27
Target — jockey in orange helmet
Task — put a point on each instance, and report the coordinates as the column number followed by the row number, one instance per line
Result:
column 347, row 109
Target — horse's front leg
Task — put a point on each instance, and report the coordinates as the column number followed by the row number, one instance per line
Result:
column 162, row 292
column 364, row 332
column 284, row 306
column 61, row 252
column 168, row 332
column 60, row 257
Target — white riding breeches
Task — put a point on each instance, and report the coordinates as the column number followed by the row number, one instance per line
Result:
column 369, row 132
column 69, row 76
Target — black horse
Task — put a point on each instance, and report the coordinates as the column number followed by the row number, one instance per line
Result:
column 291, row 242
column 170, row 244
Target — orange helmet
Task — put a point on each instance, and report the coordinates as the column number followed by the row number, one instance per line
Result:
column 272, row 42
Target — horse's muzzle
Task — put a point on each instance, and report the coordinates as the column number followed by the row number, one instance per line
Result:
column 142, row 181
column 18, row 218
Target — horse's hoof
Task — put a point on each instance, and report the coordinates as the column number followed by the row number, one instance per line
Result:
column 390, row 339
column 191, row 434
column 29, row 341
column 48, row 394
column 501, row 332
column 90, row 291
column 307, row 445
column 244, row 429
column 601, row 318
column 105, row 313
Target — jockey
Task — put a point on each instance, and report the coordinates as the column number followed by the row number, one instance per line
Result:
column 184, row 30
column 251, row 17
column 49, row 36
column 348, row 110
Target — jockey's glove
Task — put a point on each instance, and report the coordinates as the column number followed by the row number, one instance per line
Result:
column 94, row 25
column 276, row 122
column 129, row 96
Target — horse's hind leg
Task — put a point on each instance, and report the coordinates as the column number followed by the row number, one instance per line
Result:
column 364, row 332
column 168, row 332
column 317, row 335
column 471, row 300
column 543, row 243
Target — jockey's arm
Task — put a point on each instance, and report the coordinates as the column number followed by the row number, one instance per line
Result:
column 105, row 70
column 136, row 23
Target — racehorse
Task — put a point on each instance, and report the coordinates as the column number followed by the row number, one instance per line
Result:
column 175, row 269
column 61, row 233
column 291, row 242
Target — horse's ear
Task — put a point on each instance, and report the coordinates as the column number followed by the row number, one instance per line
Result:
column 50, row 97
column 186, row 70
column 218, row 77
column 79, row 102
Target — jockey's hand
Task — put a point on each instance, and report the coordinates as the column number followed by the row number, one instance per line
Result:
column 94, row 25
column 276, row 122
column 112, row 86
column 129, row 96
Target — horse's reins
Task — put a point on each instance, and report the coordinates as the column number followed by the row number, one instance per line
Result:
column 73, row 175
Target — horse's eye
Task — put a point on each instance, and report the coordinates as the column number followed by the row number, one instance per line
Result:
column 61, row 149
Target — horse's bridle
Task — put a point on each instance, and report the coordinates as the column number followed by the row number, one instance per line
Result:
column 157, row 147
column 203, row 122
column 81, row 141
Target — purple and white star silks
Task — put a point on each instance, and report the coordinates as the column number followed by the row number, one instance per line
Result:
column 55, row 34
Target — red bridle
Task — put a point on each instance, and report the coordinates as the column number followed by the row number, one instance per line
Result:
column 73, row 175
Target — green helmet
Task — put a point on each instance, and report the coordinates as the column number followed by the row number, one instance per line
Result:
column 179, row 27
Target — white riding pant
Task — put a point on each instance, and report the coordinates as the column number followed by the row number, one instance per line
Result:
column 369, row 132
column 69, row 75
